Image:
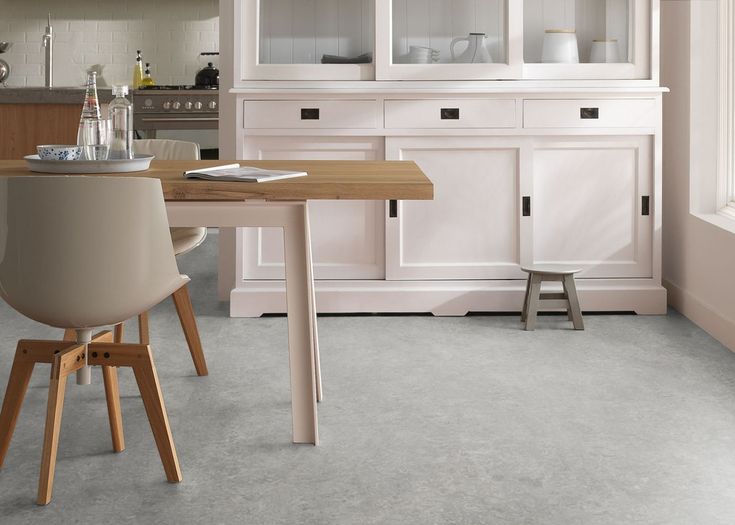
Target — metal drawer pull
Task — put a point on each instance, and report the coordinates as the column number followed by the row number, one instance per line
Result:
column 526, row 206
column 392, row 209
column 589, row 113
column 645, row 205
column 449, row 113
column 309, row 113
column 184, row 119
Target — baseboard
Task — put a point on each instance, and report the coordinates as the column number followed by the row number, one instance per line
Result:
column 702, row 315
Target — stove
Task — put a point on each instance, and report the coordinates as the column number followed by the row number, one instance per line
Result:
column 175, row 108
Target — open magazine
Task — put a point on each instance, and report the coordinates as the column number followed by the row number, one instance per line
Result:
column 237, row 173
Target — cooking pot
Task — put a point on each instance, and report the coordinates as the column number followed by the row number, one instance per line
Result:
column 207, row 77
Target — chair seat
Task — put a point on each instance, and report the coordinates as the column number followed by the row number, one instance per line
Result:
column 186, row 239
column 553, row 269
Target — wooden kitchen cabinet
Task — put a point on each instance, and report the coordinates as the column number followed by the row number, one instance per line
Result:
column 590, row 205
column 533, row 161
column 347, row 236
column 29, row 125
column 471, row 230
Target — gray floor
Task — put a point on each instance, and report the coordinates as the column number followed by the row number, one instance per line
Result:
column 425, row 420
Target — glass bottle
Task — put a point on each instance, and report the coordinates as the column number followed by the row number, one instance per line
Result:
column 93, row 130
column 138, row 71
column 147, row 79
column 121, row 122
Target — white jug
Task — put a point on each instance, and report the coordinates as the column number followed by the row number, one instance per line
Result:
column 476, row 51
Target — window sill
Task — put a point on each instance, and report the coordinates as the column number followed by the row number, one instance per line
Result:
column 724, row 219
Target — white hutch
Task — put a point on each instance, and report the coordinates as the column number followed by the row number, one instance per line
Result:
column 531, row 161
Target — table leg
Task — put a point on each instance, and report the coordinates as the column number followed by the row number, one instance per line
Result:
column 314, row 329
column 301, row 326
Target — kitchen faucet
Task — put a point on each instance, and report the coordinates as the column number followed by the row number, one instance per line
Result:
column 48, row 43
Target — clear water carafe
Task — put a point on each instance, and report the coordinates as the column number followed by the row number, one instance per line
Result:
column 93, row 134
column 121, row 121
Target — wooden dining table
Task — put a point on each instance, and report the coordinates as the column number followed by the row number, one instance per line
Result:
column 283, row 204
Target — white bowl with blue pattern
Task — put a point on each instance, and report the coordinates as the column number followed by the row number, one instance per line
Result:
column 59, row 152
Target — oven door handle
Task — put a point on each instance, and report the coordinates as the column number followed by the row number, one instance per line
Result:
column 185, row 119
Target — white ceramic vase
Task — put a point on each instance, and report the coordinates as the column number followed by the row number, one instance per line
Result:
column 604, row 51
column 560, row 47
column 476, row 51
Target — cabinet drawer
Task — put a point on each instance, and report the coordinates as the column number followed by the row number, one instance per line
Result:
column 618, row 113
column 261, row 114
column 471, row 113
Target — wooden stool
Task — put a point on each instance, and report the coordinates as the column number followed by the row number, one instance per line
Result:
column 536, row 300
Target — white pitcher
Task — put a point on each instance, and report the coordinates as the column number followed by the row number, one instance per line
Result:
column 476, row 51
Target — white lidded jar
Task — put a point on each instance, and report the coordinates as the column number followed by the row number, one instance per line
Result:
column 560, row 47
column 121, row 121
column 604, row 51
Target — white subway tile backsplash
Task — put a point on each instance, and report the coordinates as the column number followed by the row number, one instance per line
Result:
column 170, row 34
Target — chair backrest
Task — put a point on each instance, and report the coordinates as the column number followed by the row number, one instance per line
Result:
column 165, row 149
column 82, row 252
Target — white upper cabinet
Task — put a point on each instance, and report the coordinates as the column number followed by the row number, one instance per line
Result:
column 587, row 39
column 447, row 39
column 308, row 39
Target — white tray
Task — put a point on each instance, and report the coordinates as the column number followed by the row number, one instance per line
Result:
column 139, row 163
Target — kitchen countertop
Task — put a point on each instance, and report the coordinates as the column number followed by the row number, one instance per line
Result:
column 55, row 95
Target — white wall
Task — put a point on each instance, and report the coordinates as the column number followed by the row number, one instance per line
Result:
column 699, row 257
column 171, row 34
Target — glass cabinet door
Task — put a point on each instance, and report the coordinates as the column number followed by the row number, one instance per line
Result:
column 308, row 39
column 586, row 39
column 448, row 39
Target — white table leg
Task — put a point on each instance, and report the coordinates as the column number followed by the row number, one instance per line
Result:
column 314, row 329
column 302, row 335
column 301, row 328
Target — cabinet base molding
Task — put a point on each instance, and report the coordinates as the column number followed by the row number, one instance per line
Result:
column 444, row 298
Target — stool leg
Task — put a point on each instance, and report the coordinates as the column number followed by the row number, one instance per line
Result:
column 524, row 311
column 533, row 301
column 574, row 302
column 570, row 317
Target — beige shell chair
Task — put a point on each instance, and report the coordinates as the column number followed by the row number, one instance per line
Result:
column 184, row 240
column 85, row 252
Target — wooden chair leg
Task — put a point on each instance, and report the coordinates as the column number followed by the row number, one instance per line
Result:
column 182, row 301
column 112, row 393
column 20, row 376
column 143, row 331
column 139, row 357
column 118, row 331
column 524, row 311
column 65, row 362
column 574, row 308
column 533, row 301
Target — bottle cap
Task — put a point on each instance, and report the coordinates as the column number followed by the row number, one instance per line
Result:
column 120, row 90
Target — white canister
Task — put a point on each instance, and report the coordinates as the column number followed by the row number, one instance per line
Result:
column 604, row 51
column 560, row 47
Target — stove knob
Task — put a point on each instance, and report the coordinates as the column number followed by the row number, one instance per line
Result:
column 167, row 104
column 177, row 105
column 187, row 105
column 197, row 105
column 212, row 104
column 148, row 103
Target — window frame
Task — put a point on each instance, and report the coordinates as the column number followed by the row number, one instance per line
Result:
column 725, row 191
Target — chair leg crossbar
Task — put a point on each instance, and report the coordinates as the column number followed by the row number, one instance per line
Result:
column 66, row 357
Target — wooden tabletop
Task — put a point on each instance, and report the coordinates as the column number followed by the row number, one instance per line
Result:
column 326, row 179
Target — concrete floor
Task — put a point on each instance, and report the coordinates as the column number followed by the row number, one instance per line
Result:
column 425, row 420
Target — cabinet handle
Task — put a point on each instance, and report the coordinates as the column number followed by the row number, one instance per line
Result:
column 646, row 205
column 309, row 113
column 392, row 209
column 589, row 113
column 526, row 206
column 449, row 113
